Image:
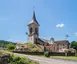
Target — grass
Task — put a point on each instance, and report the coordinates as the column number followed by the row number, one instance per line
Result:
column 38, row 55
column 21, row 60
column 59, row 57
column 65, row 57
column 17, row 59
column 4, row 52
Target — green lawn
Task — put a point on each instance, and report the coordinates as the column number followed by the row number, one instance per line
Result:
column 65, row 57
column 60, row 57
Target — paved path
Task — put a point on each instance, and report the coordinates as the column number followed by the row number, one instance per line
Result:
column 47, row 60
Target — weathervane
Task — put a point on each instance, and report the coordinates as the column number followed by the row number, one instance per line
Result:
column 67, row 35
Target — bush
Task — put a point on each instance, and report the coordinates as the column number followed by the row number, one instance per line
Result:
column 46, row 54
column 16, row 59
column 11, row 46
column 21, row 60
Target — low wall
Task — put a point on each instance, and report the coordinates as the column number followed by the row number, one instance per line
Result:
column 42, row 53
column 61, row 54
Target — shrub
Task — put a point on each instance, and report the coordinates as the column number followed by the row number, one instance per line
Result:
column 46, row 54
column 11, row 46
column 16, row 59
column 21, row 60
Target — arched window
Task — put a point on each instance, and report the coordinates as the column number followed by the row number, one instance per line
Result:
column 36, row 30
column 30, row 30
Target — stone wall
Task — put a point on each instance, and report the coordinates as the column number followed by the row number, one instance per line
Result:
column 42, row 53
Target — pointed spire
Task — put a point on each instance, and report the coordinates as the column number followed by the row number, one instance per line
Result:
column 34, row 17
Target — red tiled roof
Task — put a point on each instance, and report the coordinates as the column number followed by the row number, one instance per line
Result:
column 61, row 41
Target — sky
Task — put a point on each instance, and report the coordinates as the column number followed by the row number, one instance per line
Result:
column 56, row 18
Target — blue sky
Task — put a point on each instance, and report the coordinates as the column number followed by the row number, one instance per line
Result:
column 56, row 18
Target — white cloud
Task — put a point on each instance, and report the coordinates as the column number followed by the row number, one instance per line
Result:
column 60, row 25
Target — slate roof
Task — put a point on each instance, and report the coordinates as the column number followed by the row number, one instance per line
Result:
column 43, row 40
column 46, row 41
column 61, row 41
column 55, row 42
column 33, row 19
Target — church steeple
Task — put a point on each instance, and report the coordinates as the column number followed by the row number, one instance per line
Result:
column 33, row 19
column 33, row 32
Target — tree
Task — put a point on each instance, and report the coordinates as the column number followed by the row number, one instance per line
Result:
column 4, row 43
column 11, row 46
column 74, row 45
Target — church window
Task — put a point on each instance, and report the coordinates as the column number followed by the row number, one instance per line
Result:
column 36, row 30
column 54, row 47
column 63, row 44
column 30, row 30
column 57, row 48
column 47, row 44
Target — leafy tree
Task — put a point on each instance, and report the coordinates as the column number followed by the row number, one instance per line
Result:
column 11, row 46
column 74, row 45
column 4, row 43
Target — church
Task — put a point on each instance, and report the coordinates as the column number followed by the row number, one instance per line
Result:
column 50, row 45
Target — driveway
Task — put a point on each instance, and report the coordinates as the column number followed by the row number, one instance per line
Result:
column 43, row 60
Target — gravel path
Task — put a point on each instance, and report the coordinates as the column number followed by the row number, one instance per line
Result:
column 43, row 60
